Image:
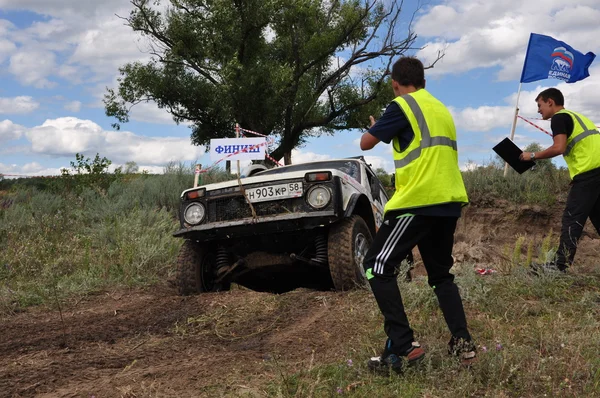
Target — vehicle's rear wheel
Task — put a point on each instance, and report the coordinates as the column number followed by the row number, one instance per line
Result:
column 196, row 270
column 347, row 246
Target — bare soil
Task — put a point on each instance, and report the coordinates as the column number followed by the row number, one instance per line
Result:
column 152, row 342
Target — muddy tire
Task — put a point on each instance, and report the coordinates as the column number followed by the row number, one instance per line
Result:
column 196, row 270
column 348, row 243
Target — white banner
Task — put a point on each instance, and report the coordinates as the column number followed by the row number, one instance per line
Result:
column 238, row 148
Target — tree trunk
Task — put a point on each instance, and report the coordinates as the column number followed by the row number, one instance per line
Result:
column 287, row 157
column 228, row 166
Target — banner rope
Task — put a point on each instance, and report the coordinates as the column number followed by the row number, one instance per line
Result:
column 534, row 125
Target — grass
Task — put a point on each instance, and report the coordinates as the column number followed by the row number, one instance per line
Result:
column 66, row 243
column 537, row 337
column 543, row 187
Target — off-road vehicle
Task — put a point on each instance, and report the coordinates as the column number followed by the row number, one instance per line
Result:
column 304, row 224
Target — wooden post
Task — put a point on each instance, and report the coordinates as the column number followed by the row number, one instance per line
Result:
column 197, row 174
column 237, row 135
column 514, row 125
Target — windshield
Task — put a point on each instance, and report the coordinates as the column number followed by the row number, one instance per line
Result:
column 350, row 167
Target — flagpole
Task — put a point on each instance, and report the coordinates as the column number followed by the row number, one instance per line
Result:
column 514, row 125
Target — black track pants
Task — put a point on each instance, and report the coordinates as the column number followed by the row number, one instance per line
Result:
column 434, row 236
column 583, row 202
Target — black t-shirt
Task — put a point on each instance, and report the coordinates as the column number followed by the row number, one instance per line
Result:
column 393, row 123
column 561, row 123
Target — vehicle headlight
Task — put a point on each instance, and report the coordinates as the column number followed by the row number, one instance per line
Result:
column 318, row 196
column 194, row 213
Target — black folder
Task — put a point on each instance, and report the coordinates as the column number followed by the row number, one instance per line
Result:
column 508, row 151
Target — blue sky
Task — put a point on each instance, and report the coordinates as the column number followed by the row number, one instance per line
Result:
column 58, row 56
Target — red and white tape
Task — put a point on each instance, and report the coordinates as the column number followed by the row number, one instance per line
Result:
column 270, row 139
column 534, row 125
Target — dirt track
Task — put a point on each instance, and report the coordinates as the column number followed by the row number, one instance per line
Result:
column 151, row 342
column 155, row 343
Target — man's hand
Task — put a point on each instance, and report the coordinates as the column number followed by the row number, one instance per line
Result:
column 558, row 147
column 368, row 141
column 525, row 157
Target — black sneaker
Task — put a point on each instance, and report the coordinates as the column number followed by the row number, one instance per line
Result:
column 398, row 363
column 464, row 350
column 546, row 268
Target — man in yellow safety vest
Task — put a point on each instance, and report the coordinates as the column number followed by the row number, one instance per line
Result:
column 577, row 139
column 423, row 212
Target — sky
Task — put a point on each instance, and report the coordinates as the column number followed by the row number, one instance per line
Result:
column 58, row 56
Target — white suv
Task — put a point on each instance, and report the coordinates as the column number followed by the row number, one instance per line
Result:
column 306, row 224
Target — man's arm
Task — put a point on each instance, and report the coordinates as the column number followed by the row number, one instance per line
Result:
column 558, row 148
column 368, row 141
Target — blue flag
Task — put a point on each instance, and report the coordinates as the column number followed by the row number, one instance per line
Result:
column 548, row 58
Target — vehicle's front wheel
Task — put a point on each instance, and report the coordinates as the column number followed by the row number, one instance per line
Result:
column 348, row 243
column 196, row 270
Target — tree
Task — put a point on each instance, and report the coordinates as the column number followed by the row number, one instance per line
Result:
column 131, row 167
column 540, row 164
column 384, row 177
column 288, row 68
column 87, row 173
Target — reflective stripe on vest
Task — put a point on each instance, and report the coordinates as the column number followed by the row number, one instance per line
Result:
column 585, row 133
column 426, row 140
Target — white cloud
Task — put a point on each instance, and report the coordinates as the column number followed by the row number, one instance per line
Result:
column 6, row 48
column 59, row 8
column 69, row 135
column 73, row 106
column 32, row 68
column 483, row 118
column 378, row 162
column 108, row 45
column 33, row 169
column 469, row 165
column 481, row 34
column 17, row 105
column 583, row 98
column 80, row 41
column 148, row 112
column 10, row 131
column 152, row 169
column 299, row 156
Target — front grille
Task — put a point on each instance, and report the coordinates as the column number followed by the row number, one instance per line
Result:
column 235, row 208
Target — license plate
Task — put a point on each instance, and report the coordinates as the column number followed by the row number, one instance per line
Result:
column 274, row 192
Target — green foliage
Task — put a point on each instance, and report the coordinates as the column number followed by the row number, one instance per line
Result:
column 544, row 186
column 131, row 167
column 541, row 165
column 54, row 241
column 384, row 177
column 87, row 173
column 547, row 251
column 535, row 337
column 270, row 65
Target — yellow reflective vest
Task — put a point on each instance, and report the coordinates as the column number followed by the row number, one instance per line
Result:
column 427, row 171
column 583, row 145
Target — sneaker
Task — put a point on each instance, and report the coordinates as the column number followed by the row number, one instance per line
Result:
column 464, row 350
column 546, row 268
column 398, row 363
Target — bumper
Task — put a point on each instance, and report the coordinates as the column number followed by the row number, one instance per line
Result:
column 261, row 226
